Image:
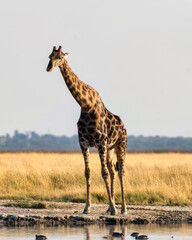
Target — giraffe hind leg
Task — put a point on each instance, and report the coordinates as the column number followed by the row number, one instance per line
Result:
column 120, row 167
column 105, row 174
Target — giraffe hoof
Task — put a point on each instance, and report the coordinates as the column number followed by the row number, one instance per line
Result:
column 114, row 211
column 124, row 211
column 108, row 210
column 86, row 211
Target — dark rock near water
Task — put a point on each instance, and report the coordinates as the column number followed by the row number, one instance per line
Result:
column 189, row 220
column 139, row 221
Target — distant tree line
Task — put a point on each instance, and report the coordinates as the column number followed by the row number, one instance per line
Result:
column 34, row 141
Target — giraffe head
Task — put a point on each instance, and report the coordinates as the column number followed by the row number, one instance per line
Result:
column 56, row 58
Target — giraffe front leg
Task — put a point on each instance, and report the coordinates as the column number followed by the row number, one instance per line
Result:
column 112, row 172
column 85, row 151
column 105, row 175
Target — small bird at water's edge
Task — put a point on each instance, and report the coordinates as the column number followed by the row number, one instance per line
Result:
column 134, row 234
column 117, row 234
column 142, row 237
column 40, row 237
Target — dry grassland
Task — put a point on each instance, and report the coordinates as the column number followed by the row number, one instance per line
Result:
column 155, row 179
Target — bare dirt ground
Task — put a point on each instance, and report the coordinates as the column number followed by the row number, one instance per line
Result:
column 64, row 213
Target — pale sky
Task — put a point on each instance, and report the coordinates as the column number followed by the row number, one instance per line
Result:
column 136, row 53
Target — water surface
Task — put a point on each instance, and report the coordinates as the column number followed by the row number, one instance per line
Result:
column 99, row 232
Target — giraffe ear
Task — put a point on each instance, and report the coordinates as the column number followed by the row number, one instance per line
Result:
column 66, row 55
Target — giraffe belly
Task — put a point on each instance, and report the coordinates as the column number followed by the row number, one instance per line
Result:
column 96, row 142
column 95, row 137
column 94, row 134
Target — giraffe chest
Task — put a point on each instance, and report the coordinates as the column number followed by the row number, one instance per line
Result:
column 91, row 132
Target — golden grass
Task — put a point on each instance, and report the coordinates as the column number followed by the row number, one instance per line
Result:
column 164, row 178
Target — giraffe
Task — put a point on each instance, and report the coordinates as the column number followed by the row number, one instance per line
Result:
column 97, row 127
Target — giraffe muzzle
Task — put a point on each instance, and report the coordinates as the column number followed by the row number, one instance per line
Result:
column 50, row 67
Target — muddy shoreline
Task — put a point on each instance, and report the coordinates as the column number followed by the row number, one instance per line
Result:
column 71, row 214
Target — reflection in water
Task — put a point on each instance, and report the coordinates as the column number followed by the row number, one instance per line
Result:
column 109, row 235
column 174, row 231
column 96, row 232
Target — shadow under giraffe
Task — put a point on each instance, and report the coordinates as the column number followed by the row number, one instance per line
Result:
column 97, row 127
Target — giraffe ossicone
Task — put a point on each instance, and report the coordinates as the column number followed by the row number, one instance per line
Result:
column 97, row 127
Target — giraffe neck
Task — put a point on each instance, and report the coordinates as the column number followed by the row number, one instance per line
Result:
column 82, row 93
